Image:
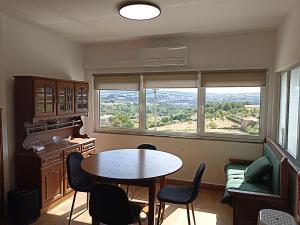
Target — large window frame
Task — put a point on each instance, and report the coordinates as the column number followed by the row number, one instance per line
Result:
column 200, row 134
column 284, row 142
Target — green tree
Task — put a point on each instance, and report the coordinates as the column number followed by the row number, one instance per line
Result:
column 122, row 120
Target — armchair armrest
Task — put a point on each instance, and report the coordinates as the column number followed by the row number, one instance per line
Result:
column 240, row 161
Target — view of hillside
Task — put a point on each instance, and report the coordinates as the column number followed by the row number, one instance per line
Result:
column 175, row 110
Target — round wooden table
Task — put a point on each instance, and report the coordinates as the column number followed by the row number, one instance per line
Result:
column 140, row 167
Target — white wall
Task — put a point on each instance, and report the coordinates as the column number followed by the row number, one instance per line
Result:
column 31, row 50
column 287, row 40
column 287, row 55
column 239, row 51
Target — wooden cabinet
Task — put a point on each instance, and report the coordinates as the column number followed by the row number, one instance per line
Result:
column 65, row 98
column 52, row 183
column 81, row 97
column 44, row 97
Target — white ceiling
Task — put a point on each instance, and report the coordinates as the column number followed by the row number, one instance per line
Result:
column 98, row 20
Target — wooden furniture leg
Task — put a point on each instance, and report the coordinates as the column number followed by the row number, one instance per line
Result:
column 152, row 203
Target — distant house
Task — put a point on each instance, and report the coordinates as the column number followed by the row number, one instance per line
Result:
column 252, row 106
column 105, row 119
column 246, row 121
column 194, row 117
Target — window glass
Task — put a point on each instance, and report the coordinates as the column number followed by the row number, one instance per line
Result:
column 171, row 109
column 232, row 110
column 119, row 108
column 282, row 110
column 293, row 121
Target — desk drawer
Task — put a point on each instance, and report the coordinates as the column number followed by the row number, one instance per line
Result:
column 52, row 159
column 68, row 151
column 88, row 146
column 88, row 153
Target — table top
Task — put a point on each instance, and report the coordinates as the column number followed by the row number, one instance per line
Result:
column 131, row 164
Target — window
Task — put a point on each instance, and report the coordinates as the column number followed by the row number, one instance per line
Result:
column 288, row 126
column 118, row 101
column 227, row 104
column 282, row 109
column 119, row 108
column 171, row 110
column 233, row 110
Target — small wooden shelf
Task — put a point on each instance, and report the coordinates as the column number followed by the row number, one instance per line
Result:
column 47, row 127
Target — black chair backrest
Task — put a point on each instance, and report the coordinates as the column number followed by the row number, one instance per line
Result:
column 197, row 181
column 109, row 204
column 147, row 146
column 76, row 176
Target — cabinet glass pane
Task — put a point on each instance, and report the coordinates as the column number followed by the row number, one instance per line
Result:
column 41, row 107
column 40, row 97
column 282, row 109
column 62, row 107
column 49, row 107
column 49, row 90
column 40, row 90
column 49, row 98
column 293, row 121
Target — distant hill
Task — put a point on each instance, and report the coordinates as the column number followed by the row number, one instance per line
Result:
column 179, row 97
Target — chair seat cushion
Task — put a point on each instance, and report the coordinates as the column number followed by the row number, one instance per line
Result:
column 175, row 194
column 235, row 180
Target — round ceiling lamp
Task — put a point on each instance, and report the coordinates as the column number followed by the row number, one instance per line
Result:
column 139, row 10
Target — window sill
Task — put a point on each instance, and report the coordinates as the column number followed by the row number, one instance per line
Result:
column 241, row 139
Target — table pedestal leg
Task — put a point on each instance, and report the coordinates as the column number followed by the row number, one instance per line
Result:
column 152, row 203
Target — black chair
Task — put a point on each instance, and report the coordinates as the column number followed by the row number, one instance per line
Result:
column 109, row 204
column 78, row 179
column 181, row 195
column 142, row 146
column 147, row 146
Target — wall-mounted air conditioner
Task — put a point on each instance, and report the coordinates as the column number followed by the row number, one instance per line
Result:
column 164, row 56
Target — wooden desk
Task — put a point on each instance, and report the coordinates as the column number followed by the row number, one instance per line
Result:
column 138, row 167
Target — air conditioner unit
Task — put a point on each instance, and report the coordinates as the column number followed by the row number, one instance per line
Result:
column 164, row 56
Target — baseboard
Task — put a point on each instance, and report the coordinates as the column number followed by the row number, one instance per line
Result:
column 217, row 187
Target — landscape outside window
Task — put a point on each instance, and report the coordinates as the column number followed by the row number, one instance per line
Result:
column 171, row 109
column 119, row 109
column 232, row 110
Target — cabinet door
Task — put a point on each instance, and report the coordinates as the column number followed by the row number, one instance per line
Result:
column 81, row 97
column 52, row 183
column 67, row 188
column 44, row 92
column 65, row 98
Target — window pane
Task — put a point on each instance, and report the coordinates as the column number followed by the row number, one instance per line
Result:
column 171, row 109
column 119, row 109
column 232, row 110
column 293, row 124
column 282, row 110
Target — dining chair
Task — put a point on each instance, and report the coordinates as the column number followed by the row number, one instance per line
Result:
column 184, row 195
column 78, row 179
column 142, row 146
column 147, row 146
column 109, row 204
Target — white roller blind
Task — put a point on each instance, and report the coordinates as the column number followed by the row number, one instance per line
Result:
column 117, row 82
column 170, row 80
column 240, row 78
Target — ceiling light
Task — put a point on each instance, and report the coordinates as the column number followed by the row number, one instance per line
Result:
column 139, row 10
